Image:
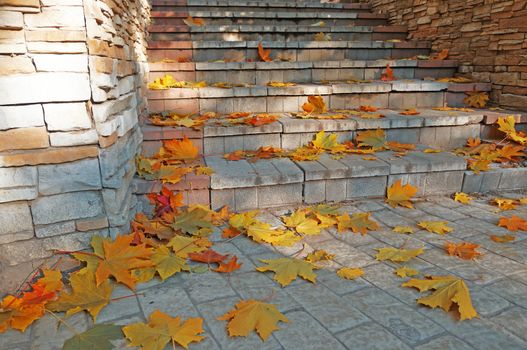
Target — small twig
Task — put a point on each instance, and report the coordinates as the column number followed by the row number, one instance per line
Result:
column 127, row 296
column 60, row 320
column 77, row 252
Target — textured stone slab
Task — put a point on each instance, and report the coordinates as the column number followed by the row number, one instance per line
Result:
column 69, row 177
column 213, row 130
column 297, row 125
column 236, row 174
column 66, row 206
column 420, row 162
column 16, row 223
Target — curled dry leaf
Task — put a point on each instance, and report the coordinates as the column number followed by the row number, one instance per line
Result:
column 463, row 250
column 504, row 203
column 321, row 36
column 249, row 315
column 315, row 104
column 502, row 238
column 410, row 111
column 388, row 75
column 264, row 54
column 447, row 290
column 476, row 99
column 350, row 273
column 191, row 21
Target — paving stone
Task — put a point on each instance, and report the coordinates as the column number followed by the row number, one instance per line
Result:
column 170, row 298
column 294, row 335
column 334, row 313
column 399, row 319
column 346, row 254
column 120, row 308
column 511, row 290
column 444, row 342
column 48, row 334
column 514, row 320
column 487, row 303
column 362, row 336
column 339, row 285
column 207, row 286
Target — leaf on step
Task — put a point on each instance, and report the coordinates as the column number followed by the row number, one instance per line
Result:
column 399, row 195
column 403, row 229
column 358, row 223
column 514, row 223
column 288, row 269
column 368, row 108
column 443, row 55
column 410, row 111
column 315, row 104
column 264, row 54
column 350, row 273
column 476, row 99
column 463, row 250
column 179, row 149
column 397, row 255
column 447, row 290
column 96, row 338
column 504, row 203
column 388, row 75
column 511, row 153
column 431, row 150
column 439, row 227
column 319, row 24
column 162, row 329
column 375, row 139
column 249, row 315
column 508, row 126
column 191, row 21
column 462, row 198
column 327, row 142
column 85, row 295
column 405, row 271
column 502, row 238
column 280, row 84
column 478, row 165
column 322, row 37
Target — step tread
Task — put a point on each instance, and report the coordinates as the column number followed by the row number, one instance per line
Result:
column 413, row 85
column 268, row 15
column 240, row 174
column 272, row 28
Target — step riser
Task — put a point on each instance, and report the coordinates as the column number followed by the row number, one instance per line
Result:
column 262, row 77
column 271, row 9
column 178, row 21
column 443, row 137
column 277, row 104
column 231, row 36
column 334, row 54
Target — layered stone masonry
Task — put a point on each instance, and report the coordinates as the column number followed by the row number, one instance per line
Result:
column 72, row 77
column 488, row 37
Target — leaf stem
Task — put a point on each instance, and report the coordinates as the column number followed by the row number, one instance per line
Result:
column 60, row 320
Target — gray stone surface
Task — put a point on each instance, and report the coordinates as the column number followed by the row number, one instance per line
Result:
column 82, row 175
column 15, row 222
column 67, row 206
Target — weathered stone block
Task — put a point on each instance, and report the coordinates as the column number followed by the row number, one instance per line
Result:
column 66, row 116
column 21, row 116
column 61, row 63
column 48, row 156
column 315, row 191
column 24, row 138
column 69, row 177
column 273, row 196
column 16, row 65
column 56, row 16
column 246, row 198
column 363, row 187
column 44, row 87
column 50, row 230
column 16, row 223
column 67, row 206
column 11, row 20
column 74, row 138
column 18, row 184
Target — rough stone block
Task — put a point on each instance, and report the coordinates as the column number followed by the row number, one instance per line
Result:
column 363, row 187
column 69, row 177
column 56, row 16
column 246, row 198
column 272, row 196
column 67, row 206
column 16, row 65
column 21, row 116
column 336, row 190
column 11, row 20
column 61, row 63
column 16, row 223
column 44, row 87
column 74, row 138
column 24, row 138
column 513, row 179
column 432, row 183
column 315, row 191
column 48, row 156
column 59, row 228
column 220, row 198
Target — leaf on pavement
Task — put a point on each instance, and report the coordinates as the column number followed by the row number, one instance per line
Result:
column 462, row 198
column 96, row 338
column 182, row 245
column 301, row 223
column 162, row 329
column 502, row 238
column 358, row 223
column 405, row 271
column 514, row 223
column 463, row 250
column 209, row 256
column 168, row 264
column 403, row 229
column 439, row 227
column 288, row 269
column 229, row 266
column 447, row 290
column 398, row 194
column 318, row 255
column 504, row 203
column 249, row 315
column 350, row 273
column 397, row 255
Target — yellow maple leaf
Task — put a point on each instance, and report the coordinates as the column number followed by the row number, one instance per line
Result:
column 301, row 223
column 249, row 315
column 462, row 198
column 306, row 154
column 476, row 99
column 327, row 142
column 405, row 271
column 439, row 227
column 85, row 295
column 287, row 269
column 350, row 273
column 403, row 229
column 319, row 255
column 398, row 194
column 321, row 36
column 479, row 165
column 162, row 329
column 508, row 126
column 504, row 203
column 280, row 84
column 166, row 263
column 183, row 246
column 375, row 139
column 397, row 255
column 448, row 290
column 358, row 223
column 263, row 232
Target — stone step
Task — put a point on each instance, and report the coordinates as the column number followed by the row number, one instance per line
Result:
column 260, row 73
column 249, row 32
column 274, row 17
column 266, row 183
column 397, row 94
column 203, row 51
column 274, row 6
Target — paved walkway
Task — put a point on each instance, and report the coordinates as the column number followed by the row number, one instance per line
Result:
column 372, row 312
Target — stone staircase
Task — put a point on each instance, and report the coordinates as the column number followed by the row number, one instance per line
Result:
column 361, row 45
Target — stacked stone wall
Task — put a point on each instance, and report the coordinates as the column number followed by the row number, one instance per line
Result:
column 488, row 37
column 72, row 89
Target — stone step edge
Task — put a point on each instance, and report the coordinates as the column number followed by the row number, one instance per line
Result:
column 273, row 29
column 314, row 89
column 353, row 44
column 328, row 15
column 266, row 4
column 220, row 66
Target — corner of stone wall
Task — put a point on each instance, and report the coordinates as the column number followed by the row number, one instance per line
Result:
column 72, row 91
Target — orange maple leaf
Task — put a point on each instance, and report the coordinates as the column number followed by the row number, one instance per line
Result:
column 463, row 250
column 502, row 239
column 401, row 195
column 264, row 54
column 229, row 266
column 260, row 119
column 367, row 108
column 209, row 256
column 443, row 55
column 179, row 149
column 515, row 223
column 388, row 76
column 165, row 201
column 230, row 232
column 410, row 111
column 473, row 142
column 315, row 104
